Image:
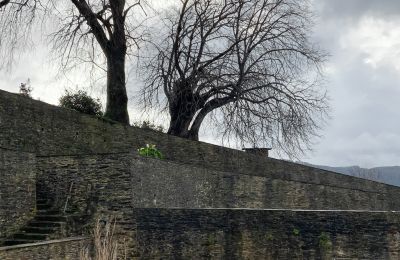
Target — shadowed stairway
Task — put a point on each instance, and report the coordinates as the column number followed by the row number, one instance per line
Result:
column 45, row 225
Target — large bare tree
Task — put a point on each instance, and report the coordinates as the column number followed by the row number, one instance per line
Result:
column 84, row 31
column 248, row 63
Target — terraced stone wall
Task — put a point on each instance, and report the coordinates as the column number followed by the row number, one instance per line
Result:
column 265, row 234
column 49, row 131
column 65, row 249
column 17, row 190
column 90, row 166
column 124, row 181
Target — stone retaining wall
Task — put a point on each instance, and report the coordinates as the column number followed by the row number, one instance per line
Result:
column 265, row 234
column 46, row 130
column 91, row 166
column 242, row 234
column 64, row 249
column 124, row 181
column 17, row 190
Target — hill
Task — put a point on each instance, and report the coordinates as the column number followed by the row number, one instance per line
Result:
column 388, row 175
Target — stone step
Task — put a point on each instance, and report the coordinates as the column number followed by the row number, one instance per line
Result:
column 42, row 198
column 39, row 230
column 48, row 212
column 30, row 236
column 56, row 218
column 13, row 242
column 40, row 223
column 43, row 206
column 42, row 201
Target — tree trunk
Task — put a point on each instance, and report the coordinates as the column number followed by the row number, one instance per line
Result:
column 117, row 99
column 186, row 124
column 182, row 109
column 180, row 123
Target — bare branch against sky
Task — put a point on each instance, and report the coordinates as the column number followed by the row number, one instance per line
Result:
column 250, row 63
column 102, row 33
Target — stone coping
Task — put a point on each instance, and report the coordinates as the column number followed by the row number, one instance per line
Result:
column 48, row 242
column 277, row 209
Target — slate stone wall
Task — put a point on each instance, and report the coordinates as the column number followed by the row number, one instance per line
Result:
column 120, row 182
column 67, row 249
column 265, row 234
column 46, row 130
column 17, row 190
column 243, row 234
column 90, row 166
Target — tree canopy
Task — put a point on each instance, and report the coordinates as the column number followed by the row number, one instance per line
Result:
column 248, row 65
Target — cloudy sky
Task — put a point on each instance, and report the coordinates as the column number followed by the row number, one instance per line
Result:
column 363, row 79
column 363, row 38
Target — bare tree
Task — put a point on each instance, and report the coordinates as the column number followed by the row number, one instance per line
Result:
column 248, row 63
column 4, row 2
column 88, row 31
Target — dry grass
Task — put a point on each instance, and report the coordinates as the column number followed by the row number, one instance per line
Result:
column 105, row 244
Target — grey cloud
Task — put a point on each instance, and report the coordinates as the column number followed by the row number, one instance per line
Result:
column 353, row 9
column 364, row 129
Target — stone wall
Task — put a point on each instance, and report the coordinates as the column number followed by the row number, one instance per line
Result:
column 265, row 234
column 242, row 234
column 91, row 167
column 17, row 190
column 124, row 181
column 67, row 249
column 46, row 130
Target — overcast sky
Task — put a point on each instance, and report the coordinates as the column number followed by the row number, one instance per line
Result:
column 363, row 76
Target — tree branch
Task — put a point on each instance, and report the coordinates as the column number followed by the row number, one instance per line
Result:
column 92, row 21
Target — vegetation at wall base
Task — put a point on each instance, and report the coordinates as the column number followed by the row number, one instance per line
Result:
column 105, row 244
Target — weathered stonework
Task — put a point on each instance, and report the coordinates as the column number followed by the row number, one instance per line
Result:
column 189, row 205
column 265, row 234
column 122, row 181
column 244, row 234
column 67, row 249
column 17, row 190
column 46, row 130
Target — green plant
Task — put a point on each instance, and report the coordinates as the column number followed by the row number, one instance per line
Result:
column 296, row 232
column 25, row 89
column 150, row 151
column 324, row 241
column 269, row 236
column 211, row 239
column 146, row 124
column 82, row 102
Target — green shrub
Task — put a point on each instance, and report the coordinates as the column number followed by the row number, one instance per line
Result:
column 25, row 89
column 82, row 102
column 150, row 151
column 146, row 124
column 325, row 241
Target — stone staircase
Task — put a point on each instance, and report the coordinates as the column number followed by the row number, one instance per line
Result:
column 46, row 224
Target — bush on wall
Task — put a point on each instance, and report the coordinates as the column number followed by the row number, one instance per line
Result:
column 82, row 102
column 146, row 124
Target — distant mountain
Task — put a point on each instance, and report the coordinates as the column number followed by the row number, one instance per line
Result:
column 389, row 175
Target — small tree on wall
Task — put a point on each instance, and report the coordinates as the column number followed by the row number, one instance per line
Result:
column 247, row 63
